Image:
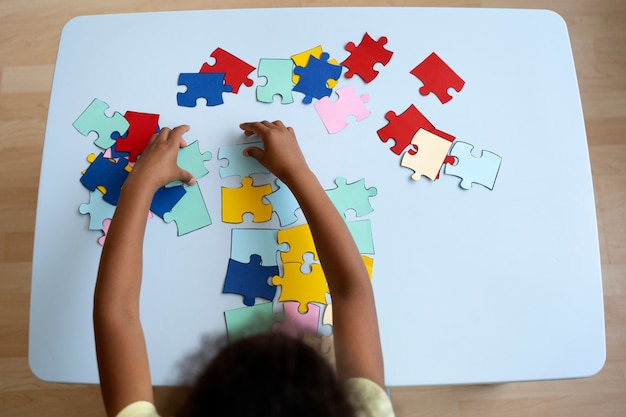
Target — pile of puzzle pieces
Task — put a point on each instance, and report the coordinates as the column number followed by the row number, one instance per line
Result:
column 121, row 139
column 276, row 272
column 424, row 149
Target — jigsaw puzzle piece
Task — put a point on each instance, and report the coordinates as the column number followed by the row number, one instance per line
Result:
column 238, row 164
column 314, row 78
column 250, row 280
column 349, row 103
column 284, row 204
column 430, row 156
column 105, row 229
column 94, row 119
column 249, row 321
column 437, row 78
column 296, row 324
column 207, row 85
column 403, row 128
column 190, row 213
column 300, row 241
column 354, row 196
column 142, row 127
column 246, row 199
column 302, row 60
column 278, row 73
column 364, row 56
column 104, row 172
column 361, row 231
column 191, row 159
column 481, row 170
column 247, row 242
column 300, row 287
column 165, row 198
column 98, row 210
column 236, row 70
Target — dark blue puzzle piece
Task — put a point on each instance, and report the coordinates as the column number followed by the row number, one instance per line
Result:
column 207, row 85
column 165, row 199
column 250, row 280
column 314, row 78
column 107, row 173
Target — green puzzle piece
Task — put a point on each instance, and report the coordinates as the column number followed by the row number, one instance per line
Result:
column 190, row 213
column 354, row 196
column 93, row 119
column 279, row 74
column 249, row 321
column 191, row 159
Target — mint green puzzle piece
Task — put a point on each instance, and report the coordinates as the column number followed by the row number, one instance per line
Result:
column 191, row 159
column 354, row 196
column 93, row 119
column 249, row 321
column 361, row 231
column 190, row 213
column 279, row 74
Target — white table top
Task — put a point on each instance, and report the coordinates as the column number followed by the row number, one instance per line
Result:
column 471, row 286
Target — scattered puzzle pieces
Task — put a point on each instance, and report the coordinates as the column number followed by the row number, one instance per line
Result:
column 402, row 128
column 246, row 199
column 437, row 77
column 354, row 196
column 236, row 70
column 284, row 204
column 300, row 287
column 250, row 280
column 207, row 85
column 94, row 119
column 364, row 56
column 349, row 103
column 190, row 212
column 481, row 170
column 314, row 78
column 430, row 156
column 278, row 73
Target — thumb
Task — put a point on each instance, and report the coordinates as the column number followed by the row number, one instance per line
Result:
column 187, row 177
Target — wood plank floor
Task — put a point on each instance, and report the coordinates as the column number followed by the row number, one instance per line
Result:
column 29, row 36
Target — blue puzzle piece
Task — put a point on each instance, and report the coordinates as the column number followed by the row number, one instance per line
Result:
column 108, row 174
column 207, row 85
column 314, row 78
column 98, row 210
column 165, row 199
column 239, row 164
column 284, row 204
column 250, row 280
column 262, row 242
column 481, row 170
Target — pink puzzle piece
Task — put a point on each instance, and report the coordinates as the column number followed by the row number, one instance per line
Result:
column 296, row 324
column 334, row 113
column 437, row 77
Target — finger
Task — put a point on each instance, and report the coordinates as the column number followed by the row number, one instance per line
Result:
column 251, row 128
column 187, row 177
column 279, row 123
column 178, row 132
column 254, row 152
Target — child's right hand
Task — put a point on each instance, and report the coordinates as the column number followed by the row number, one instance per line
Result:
column 282, row 155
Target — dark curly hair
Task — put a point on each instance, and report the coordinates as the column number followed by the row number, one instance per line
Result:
column 267, row 375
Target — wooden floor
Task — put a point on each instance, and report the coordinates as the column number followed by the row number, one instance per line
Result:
column 29, row 36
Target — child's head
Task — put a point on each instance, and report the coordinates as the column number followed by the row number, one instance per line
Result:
column 271, row 375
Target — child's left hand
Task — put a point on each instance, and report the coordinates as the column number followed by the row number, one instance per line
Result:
column 157, row 165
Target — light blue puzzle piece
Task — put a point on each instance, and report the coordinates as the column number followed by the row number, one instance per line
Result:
column 481, row 170
column 93, row 119
column 191, row 159
column 262, row 242
column 353, row 196
column 98, row 210
column 190, row 213
column 279, row 74
column 239, row 164
column 284, row 204
column 361, row 231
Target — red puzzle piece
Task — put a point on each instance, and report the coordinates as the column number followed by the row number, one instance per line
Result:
column 142, row 127
column 363, row 57
column 235, row 69
column 437, row 77
column 402, row 128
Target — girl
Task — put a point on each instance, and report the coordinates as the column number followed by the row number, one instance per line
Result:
column 265, row 375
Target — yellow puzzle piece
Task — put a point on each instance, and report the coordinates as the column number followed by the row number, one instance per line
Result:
column 246, row 199
column 300, row 287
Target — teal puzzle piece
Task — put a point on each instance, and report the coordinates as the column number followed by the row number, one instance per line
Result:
column 354, row 196
column 94, row 119
column 190, row 213
column 191, row 159
column 279, row 73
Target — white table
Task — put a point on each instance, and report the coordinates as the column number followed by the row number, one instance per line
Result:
column 471, row 286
